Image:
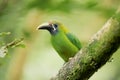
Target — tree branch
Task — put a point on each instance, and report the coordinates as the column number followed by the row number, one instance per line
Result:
column 98, row 51
column 4, row 49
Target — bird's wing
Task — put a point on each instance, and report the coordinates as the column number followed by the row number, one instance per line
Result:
column 74, row 40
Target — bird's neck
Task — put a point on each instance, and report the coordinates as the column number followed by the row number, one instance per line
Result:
column 65, row 30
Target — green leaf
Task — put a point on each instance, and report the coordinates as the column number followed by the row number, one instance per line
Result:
column 21, row 45
column 4, row 33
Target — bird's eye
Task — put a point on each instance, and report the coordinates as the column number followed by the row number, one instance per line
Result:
column 55, row 25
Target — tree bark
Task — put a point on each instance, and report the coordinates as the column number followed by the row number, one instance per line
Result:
column 95, row 54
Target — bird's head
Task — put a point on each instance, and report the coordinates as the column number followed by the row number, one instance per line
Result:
column 53, row 27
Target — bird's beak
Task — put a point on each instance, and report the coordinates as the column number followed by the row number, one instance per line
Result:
column 44, row 26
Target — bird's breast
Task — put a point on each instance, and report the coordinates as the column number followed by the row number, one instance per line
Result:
column 63, row 46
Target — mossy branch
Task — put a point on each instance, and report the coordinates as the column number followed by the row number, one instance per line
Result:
column 94, row 55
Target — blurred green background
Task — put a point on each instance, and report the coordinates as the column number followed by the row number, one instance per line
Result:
column 38, row 60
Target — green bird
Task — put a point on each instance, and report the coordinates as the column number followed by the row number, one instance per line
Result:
column 65, row 43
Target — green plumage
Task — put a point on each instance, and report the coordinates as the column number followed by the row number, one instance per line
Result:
column 74, row 40
column 65, row 43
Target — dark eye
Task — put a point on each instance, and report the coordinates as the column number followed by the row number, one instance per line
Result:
column 55, row 25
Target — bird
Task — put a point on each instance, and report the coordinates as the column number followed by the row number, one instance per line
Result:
column 63, row 41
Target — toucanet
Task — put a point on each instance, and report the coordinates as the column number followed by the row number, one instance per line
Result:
column 63, row 41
